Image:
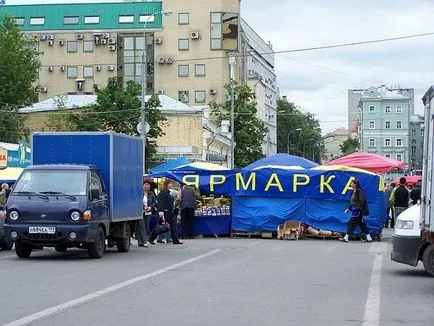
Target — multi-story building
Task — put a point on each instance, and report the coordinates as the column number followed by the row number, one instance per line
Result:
column 187, row 53
column 416, row 142
column 384, row 117
column 332, row 143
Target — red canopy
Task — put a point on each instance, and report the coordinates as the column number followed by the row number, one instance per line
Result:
column 367, row 161
column 411, row 179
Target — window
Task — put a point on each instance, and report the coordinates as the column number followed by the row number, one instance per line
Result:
column 88, row 46
column 399, row 157
column 371, row 124
column 399, row 109
column 37, row 21
column 371, row 142
column 183, row 44
column 387, row 142
column 72, row 72
column 72, row 46
column 183, row 18
column 70, row 20
column 388, row 110
column 387, row 155
column 399, row 142
column 216, row 31
column 413, row 151
column 387, row 124
column 372, row 109
column 413, row 133
column 146, row 18
column 199, row 70
column 96, row 183
column 398, row 125
column 19, row 21
column 199, row 96
column 91, row 19
column 413, row 141
column 421, row 133
column 183, row 70
column 88, row 72
column 183, row 96
column 126, row 19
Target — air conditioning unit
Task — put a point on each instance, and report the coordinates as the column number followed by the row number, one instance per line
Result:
column 105, row 35
column 160, row 92
column 98, row 68
column 80, row 36
column 43, row 89
column 169, row 60
column 111, row 40
column 161, row 60
column 62, row 68
column 158, row 40
column 110, row 68
column 50, row 36
column 42, row 37
column 50, row 42
column 50, row 68
column 61, row 42
column 194, row 35
column 112, row 47
column 103, row 41
column 213, row 91
column 80, row 83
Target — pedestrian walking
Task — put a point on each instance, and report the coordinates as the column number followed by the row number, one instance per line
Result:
column 4, row 194
column 359, row 208
column 149, row 205
column 390, row 213
column 415, row 194
column 400, row 197
column 188, row 197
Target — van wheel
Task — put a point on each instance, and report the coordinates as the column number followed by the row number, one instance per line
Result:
column 123, row 244
column 96, row 249
column 7, row 243
column 22, row 249
column 61, row 248
column 428, row 260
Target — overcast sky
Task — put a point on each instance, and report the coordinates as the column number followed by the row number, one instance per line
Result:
column 318, row 80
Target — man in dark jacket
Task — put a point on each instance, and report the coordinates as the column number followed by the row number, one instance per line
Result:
column 415, row 194
column 188, row 197
column 400, row 197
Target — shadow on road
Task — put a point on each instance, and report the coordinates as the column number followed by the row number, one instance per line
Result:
column 409, row 273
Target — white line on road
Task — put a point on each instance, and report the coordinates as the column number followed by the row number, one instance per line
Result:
column 10, row 256
column 96, row 294
column 372, row 308
column 378, row 248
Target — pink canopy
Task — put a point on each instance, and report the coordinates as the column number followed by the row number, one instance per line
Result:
column 367, row 161
column 411, row 179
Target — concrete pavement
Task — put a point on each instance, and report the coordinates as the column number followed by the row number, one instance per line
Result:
column 218, row 282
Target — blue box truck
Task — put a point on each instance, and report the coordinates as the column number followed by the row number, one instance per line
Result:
column 81, row 189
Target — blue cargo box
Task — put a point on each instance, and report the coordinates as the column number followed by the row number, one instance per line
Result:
column 119, row 157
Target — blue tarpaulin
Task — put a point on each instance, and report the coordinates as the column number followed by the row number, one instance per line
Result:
column 282, row 159
column 160, row 170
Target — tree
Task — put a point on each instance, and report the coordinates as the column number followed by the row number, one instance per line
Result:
column 350, row 145
column 118, row 110
column 58, row 120
column 19, row 63
column 298, row 133
column 249, row 129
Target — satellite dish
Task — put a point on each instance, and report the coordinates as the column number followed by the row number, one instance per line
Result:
column 139, row 128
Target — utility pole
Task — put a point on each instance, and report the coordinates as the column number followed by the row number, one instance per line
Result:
column 232, row 63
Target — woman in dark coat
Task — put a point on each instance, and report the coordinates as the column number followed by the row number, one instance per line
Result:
column 149, row 204
column 357, row 207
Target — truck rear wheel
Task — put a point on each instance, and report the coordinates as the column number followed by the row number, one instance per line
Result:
column 428, row 260
column 96, row 249
column 123, row 244
column 22, row 249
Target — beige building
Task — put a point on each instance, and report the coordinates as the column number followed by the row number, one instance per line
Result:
column 332, row 142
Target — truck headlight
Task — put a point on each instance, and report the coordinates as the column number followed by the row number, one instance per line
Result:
column 403, row 224
column 75, row 216
column 13, row 215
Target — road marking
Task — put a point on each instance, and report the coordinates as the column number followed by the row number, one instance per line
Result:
column 99, row 293
column 378, row 248
column 372, row 308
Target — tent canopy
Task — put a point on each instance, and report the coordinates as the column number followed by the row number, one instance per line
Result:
column 169, row 165
column 281, row 159
column 411, row 179
column 368, row 161
column 10, row 174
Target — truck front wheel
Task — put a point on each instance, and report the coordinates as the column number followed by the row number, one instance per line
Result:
column 22, row 249
column 123, row 244
column 428, row 260
column 96, row 249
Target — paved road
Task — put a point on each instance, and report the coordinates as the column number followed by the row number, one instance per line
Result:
column 218, row 282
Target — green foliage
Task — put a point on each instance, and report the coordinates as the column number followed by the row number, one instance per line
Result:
column 118, row 110
column 306, row 142
column 249, row 129
column 349, row 146
column 19, row 63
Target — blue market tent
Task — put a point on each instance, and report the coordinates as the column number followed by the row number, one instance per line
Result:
column 161, row 170
column 282, row 159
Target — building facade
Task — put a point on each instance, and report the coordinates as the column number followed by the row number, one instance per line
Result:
column 416, row 142
column 385, row 122
column 333, row 141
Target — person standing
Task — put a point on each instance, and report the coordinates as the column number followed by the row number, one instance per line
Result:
column 165, row 203
column 415, row 194
column 400, row 197
column 4, row 194
column 358, row 207
column 167, row 235
column 149, row 204
column 188, row 197
column 390, row 213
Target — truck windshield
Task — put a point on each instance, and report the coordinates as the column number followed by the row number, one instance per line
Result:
column 65, row 182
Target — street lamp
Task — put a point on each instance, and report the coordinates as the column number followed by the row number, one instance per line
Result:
column 143, row 82
column 289, row 133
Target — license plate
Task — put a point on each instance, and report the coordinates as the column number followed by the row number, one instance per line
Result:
column 42, row 229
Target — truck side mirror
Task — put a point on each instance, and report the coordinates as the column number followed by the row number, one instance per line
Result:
column 94, row 194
